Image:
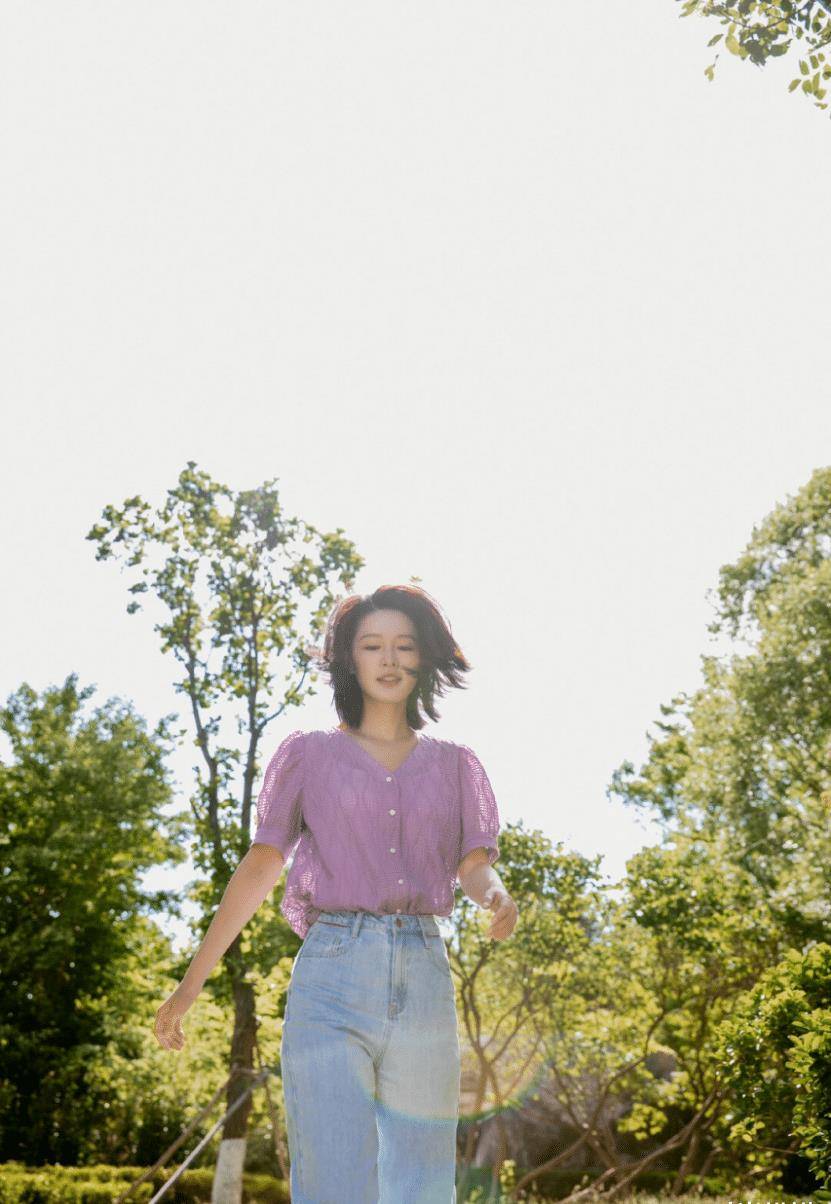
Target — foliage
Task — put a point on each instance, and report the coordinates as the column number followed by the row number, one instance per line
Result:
column 761, row 29
column 57, row 1184
column 243, row 600
column 738, row 775
column 81, row 819
column 671, row 1028
column 503, row 985
column 774, row 1053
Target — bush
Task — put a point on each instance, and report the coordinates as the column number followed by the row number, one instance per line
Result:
column 20, row 1184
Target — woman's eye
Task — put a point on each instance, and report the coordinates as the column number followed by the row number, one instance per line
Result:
column 374, row 648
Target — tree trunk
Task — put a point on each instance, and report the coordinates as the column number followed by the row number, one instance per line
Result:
column 230, row 1162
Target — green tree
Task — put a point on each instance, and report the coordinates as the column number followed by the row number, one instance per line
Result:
column 81, row 818
column 740, row 769
column 625, row 1032
column 774, row 1052
column 503, row 988
column 748, row 752
column 760, row 29
column 233, row 573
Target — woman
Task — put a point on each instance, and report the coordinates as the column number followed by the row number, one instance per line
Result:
column 384, row 820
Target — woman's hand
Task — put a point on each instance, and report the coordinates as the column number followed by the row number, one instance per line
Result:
column 505, row 911
column 251, row 881
column 168, row 1026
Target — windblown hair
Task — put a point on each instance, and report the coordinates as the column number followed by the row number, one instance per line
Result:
column 442, row 662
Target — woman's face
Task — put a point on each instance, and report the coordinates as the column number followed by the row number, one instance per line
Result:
column 386, row 644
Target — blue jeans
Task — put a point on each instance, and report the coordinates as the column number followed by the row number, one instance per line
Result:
column 371, row 1062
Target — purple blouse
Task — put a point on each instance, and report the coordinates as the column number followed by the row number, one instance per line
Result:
column 368, row 839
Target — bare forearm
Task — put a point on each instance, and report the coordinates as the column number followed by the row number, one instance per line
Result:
column 252, row 880
column 476, row 880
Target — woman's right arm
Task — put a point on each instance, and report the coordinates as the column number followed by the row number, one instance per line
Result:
column 252, row 880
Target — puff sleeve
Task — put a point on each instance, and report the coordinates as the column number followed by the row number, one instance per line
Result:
column 279, row 802
column 479, row 812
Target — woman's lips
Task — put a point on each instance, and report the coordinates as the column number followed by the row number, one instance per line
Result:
column 389, row 681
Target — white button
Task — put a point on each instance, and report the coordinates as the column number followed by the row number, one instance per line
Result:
column 398, row 909
column 389, row 779
column 392, row 810
column 400, row 880
column 392, row 850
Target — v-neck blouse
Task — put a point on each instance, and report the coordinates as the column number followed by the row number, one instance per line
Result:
column 368, row 838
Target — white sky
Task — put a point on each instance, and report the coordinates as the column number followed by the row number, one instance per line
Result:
column 542, row 324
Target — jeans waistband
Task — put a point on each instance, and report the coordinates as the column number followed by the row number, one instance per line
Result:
column 403, row 921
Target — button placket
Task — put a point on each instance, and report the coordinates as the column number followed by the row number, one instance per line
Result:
column 392, row 811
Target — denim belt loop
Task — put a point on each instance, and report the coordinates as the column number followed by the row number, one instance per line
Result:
column 356, row 924
column 422, row 923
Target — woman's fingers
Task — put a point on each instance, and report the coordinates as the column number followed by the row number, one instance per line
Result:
column 168, row 1027
column 504, row 918
column 169, row 1038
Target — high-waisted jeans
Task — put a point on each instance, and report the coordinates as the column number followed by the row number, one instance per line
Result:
column 371, row 1062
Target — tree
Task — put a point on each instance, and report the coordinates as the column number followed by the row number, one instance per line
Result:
column 80, row 820
column 631, row 1036
column 505, row 988
column 232, row 571
column 740, row 769
column 760, row 29
column 749, row 750
column 774, row 1053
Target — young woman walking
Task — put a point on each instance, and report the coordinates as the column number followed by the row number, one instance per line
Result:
column 384, row 820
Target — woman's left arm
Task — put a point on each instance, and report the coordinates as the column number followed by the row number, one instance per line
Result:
column 481, row 883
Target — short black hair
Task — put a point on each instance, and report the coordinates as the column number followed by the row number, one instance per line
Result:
column 442, row 662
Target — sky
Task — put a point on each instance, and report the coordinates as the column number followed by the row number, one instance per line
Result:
column 539, row 319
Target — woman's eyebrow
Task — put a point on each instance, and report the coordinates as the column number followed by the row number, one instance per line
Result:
column 373, row 635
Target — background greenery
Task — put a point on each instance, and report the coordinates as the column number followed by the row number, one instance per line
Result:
column 676, row 1024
